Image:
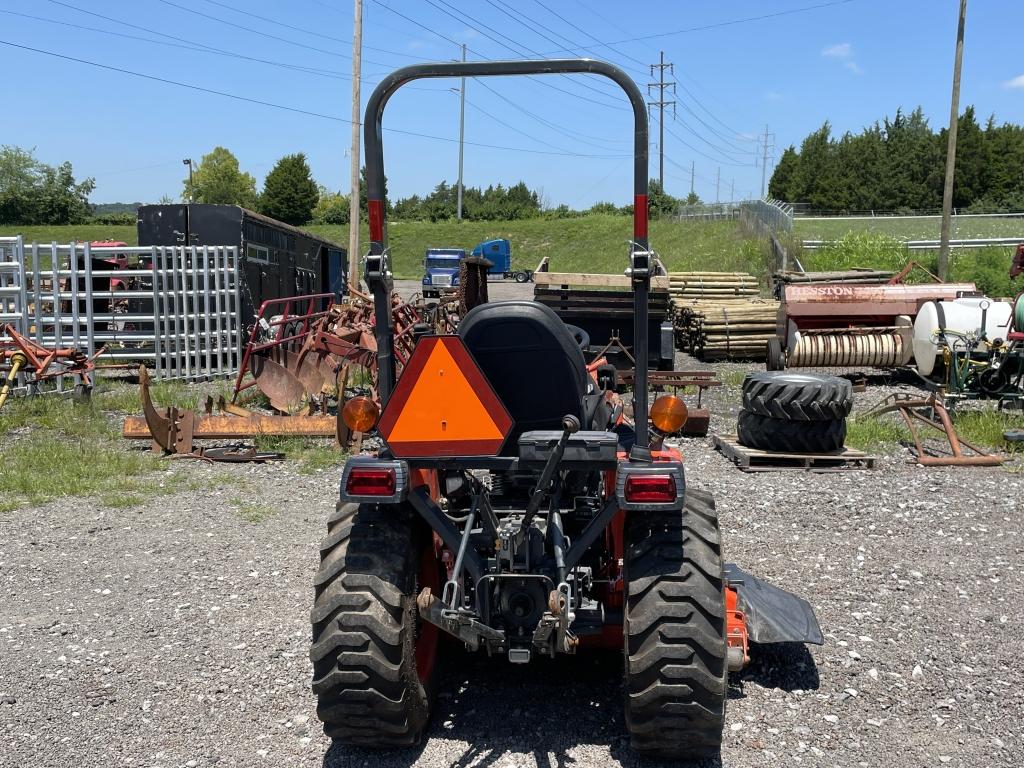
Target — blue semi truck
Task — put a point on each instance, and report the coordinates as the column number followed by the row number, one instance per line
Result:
column 441, row 265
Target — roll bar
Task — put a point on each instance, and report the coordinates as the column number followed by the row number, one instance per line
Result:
column 377, row 270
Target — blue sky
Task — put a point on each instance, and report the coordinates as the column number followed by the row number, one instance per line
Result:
column 848, row 62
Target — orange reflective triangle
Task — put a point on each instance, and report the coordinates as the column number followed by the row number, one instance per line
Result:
column 443, row 405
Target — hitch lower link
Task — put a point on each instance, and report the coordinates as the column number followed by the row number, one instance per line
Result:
column 551, row 636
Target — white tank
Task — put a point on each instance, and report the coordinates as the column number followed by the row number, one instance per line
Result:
column 960, row 315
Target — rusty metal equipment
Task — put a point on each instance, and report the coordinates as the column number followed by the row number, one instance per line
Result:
column 304, row 348
column 698, row 418
column 20, row 356
column 931, row 412
column 174, row 430
column 851, row 323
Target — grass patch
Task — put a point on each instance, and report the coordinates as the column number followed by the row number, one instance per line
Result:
column 313, row 455
column 910, row 227
column 52, row 447
column 733, row 378
column 592, row 243
column 876, row 433
column 983, row 428
column 51, row 464
column 252, row 511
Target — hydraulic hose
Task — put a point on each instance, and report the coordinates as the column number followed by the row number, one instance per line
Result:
column 18, row 361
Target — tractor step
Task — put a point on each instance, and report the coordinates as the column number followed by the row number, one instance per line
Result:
column 756, row 460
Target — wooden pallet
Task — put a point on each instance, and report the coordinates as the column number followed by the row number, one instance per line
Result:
column 754, row 460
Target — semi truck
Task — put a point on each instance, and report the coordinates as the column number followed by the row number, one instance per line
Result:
column 441, row 265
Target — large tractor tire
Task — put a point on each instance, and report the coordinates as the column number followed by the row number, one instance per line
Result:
column 373, row 659
column 674, row 631
column 797, row 396
column 785, row 436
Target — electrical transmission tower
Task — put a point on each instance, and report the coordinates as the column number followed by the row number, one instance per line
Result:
column 661, row 85
column 768, row 137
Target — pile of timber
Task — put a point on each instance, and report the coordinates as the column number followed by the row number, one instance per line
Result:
column 711, row 285
column 854, row 276
column 720, row 315
column 734, row 330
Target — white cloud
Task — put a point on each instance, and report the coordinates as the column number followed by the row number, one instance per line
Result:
column 770, row 96
column 1017, row 82
column 838, row 51
column 842, row 52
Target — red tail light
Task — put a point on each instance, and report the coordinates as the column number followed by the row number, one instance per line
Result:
column 650, row 489
column 371, row 482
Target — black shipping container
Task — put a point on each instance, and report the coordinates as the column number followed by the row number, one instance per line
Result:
column 277, row 259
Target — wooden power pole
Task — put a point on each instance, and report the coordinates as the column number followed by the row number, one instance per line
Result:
column 954, row 114
column 353, row 194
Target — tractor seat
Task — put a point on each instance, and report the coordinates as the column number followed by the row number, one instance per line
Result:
column 533, row 362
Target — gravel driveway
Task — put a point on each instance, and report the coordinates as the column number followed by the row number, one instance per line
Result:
column 176, row 633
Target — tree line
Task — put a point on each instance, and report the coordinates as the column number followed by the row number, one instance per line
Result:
column 32, row 193
column 899, row 165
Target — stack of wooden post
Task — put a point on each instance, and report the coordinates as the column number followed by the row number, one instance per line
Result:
column 720, row 315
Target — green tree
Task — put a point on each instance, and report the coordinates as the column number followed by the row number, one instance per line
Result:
column 32, row 192
column 289, row 192
column 331, row 208
column 218, row 179
column 659, row 202
column 781, row 186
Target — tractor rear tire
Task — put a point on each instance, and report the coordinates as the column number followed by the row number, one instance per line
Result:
column 373, row 660
column 782, row 435
column 674, row 630
column 797, row 396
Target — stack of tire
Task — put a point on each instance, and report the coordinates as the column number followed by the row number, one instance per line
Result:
column 794, row 412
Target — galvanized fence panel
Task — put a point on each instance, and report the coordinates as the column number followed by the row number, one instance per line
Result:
column 177, row 309
column 767, row 216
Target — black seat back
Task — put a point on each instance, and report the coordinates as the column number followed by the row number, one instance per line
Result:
column 531, row 359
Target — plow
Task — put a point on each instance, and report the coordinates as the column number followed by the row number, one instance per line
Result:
column 525, row 504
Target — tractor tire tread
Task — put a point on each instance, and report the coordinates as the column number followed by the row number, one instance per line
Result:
column 797, row 396
column 675, row 622
column 784, row 436
column 364, row 675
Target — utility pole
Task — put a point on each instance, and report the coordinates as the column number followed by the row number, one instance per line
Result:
column 954, row 110
column 693, row 172
column 718, row 179
column 462, row 134
column 732, row 190
column 661, row 85
column 764, row 161
column 353, row 190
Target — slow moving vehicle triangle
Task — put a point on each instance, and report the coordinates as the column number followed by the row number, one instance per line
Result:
column 443, row 405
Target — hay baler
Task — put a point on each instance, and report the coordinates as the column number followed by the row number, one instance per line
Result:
column 514, row 509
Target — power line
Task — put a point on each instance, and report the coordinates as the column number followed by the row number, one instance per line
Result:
column 236, row 25
column 692, row 148
column 297, row 110
column 715, row 25
column 555, row 13
column 306, row 31
column 504, row 40
column 574, row 135
column 199, row 48
column 541, row 81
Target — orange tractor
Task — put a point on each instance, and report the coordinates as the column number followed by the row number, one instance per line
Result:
column 515, row 509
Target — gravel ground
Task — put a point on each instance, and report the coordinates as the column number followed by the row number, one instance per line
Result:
column 176, row 633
